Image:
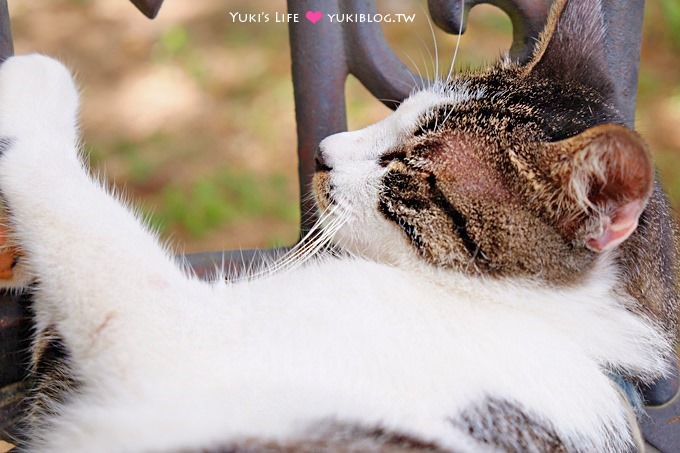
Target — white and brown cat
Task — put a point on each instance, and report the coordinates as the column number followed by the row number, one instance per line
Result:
column 481, row 300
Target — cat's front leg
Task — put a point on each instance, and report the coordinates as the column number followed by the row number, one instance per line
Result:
column 98, row 268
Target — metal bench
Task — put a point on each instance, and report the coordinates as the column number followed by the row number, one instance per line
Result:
column 360, row 49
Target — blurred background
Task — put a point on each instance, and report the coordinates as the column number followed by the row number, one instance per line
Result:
column 192, row 113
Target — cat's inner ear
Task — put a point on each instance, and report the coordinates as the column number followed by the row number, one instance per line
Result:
column 570, row 46
column 606, row 175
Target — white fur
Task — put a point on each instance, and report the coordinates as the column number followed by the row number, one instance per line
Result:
column 169, row 362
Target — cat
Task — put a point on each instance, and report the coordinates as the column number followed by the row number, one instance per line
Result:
column 479, row 298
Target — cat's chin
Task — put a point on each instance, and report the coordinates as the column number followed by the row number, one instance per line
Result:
column 375, row 248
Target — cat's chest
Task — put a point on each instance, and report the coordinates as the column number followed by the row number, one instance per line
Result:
column 377, row 335
column 372, row 316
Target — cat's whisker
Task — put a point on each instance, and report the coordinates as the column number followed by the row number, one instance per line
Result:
column 302, row 255
column 315, row 240
column 460, row 35
column 417, row 84
column 389, row 100
column 448, row 115
column 294, row 254
column 436, row 80
column 472, row 262
column 427, row 78
column 425, row 82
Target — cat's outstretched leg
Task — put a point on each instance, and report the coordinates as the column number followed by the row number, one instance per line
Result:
column 99, row 270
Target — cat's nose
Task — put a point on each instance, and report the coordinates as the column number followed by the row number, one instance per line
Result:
column 319, row 161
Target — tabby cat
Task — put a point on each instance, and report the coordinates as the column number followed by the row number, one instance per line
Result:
column 481, row 298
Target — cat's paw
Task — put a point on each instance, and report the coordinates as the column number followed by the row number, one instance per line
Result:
column 38, row 125
column 37, row 97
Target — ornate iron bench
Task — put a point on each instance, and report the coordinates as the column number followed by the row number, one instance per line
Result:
column 360, row 49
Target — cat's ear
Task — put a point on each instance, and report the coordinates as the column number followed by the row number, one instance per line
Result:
column 571, row 45
column 606, row 175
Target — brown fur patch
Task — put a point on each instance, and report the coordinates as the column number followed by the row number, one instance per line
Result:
column 51, row 379
column 335, row 438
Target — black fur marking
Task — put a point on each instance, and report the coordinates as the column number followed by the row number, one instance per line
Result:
column 400, row 186
column 52, row 355
column 52, row 381
column 410, row 231
column 5, row 144
column 402, row 193
column 458, row 219
column 337, row 437
column 505, row 426
column 389, row 157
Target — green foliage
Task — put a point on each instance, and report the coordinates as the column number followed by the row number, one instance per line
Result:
column 494, row 20
column 667, row 164
column 174, row 41
column 175, row 47
column 225, row 198
column 648, row 83
column 138, row 165
column 671, row 15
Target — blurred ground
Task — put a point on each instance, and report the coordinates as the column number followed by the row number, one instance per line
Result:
column 193, row 113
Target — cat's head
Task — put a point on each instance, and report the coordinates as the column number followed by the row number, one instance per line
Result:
column 521, row 170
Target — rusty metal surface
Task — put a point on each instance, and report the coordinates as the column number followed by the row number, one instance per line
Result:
column 148, row 7
column 319, row 71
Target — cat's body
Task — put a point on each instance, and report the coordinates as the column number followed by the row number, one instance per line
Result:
column 487, row 305
column 353, row 343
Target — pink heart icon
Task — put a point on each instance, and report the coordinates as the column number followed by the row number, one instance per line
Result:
column 314, row 16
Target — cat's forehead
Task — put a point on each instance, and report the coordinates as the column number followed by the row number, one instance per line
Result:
column 429, row 98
